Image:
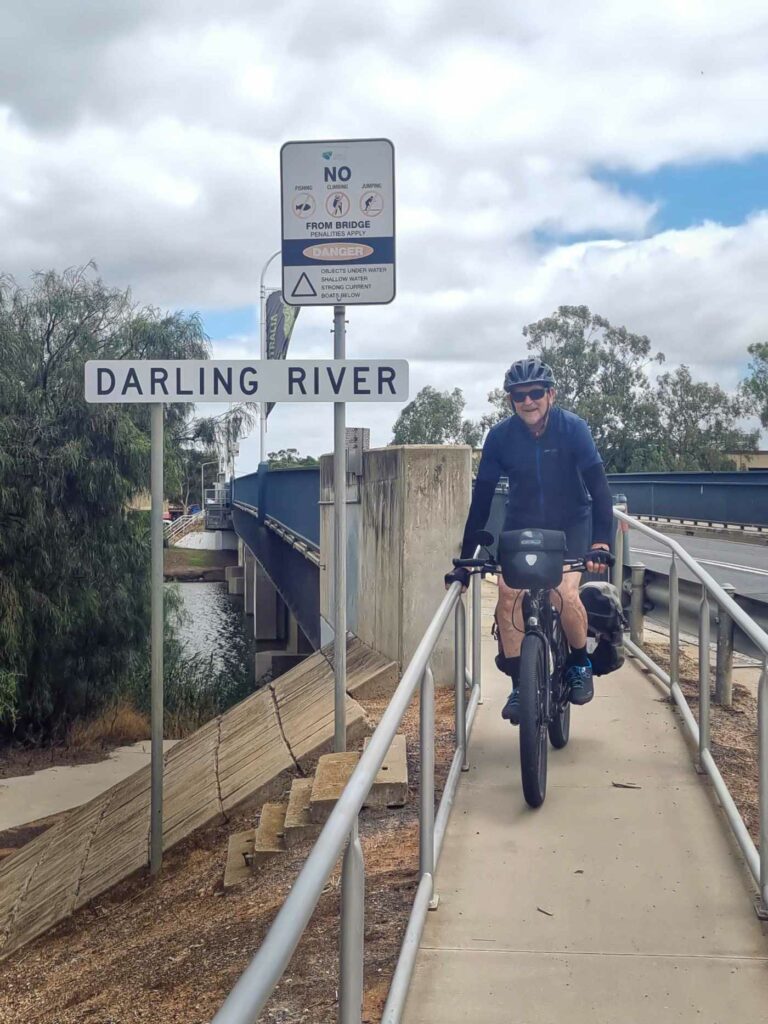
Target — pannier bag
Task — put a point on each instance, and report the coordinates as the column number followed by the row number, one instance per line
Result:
column 532, row 559
column 606, row 624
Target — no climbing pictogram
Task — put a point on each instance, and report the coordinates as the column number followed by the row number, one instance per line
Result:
column 303, row 288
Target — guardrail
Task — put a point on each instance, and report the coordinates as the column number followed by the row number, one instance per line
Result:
column 247, row 999
column 182, row 526
column 699, row 731
column 737, row 498
column 303, row 545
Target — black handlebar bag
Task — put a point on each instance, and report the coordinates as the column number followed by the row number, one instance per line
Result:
column 532, row 559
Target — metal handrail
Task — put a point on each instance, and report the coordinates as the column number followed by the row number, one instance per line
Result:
column 183, row 525
column 700, row 731
column 247, row 999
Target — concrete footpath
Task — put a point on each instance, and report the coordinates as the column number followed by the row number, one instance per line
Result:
column 53, row 790
column 606, row 905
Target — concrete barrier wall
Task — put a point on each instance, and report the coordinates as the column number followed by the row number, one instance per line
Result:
column 413, row 503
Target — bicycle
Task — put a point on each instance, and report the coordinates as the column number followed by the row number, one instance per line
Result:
column 533, row 561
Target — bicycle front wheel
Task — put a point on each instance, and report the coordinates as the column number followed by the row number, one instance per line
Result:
column 534, row 680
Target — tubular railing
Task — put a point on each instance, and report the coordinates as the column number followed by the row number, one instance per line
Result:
column 699, row 731
column 249, row 996
column 183, row 525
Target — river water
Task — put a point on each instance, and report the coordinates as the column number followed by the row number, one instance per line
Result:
column 214, row 625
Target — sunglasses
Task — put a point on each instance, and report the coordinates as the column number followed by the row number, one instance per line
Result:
column 535, row 393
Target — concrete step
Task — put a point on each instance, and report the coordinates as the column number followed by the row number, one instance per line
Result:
column 270, row 835
column 390, row 788
column 298, row 824
column 239, row 854
column 375, row 681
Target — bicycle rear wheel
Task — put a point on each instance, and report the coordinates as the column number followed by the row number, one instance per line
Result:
column 534, row 680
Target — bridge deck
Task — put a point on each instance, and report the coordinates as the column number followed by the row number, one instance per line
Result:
column 608, row 904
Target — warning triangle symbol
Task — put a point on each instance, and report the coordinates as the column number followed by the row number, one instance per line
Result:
column 303, row 288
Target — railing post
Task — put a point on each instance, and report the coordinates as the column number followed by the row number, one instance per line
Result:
column 762, row 740
column 352, row 931
column 427, row 778
column 703, row 672
column 636, row 609
column 617, row 574
column 674, row 624
column 460, row 679
column 477, row 633
column 724, row 669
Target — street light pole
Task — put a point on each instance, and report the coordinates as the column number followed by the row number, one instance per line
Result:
column 263, row 338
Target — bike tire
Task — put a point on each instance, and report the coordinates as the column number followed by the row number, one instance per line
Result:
column 534, row 680
column 560, row 724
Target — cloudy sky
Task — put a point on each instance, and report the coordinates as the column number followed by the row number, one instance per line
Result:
column 607, row 153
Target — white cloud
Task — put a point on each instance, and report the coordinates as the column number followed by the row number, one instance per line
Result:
column 146, row 136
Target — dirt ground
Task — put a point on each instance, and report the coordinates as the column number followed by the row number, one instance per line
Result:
column 18, row 760
column 188, row 565
column 169, row 952
column 733, row 734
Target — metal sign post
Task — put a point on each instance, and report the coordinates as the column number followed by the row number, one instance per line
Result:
column 155, row 382
column 340, row 546
column 156, row 635
column 338, row 217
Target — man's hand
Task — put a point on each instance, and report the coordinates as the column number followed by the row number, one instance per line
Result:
column 596, row 558
column 458, row 575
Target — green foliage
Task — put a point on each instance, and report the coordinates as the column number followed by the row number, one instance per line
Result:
column 500, row 409
column 435, row 417
column 289, row 458
column 74, row 566
column 754, row 387
column 601, row 375
column 698, row 424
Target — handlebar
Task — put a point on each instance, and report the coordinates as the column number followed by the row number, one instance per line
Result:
column 487, row 565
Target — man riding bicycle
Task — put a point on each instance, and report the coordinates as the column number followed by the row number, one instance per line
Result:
column 557, row 481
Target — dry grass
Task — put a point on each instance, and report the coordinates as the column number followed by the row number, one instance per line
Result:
column 168, row 952
column 734, row 741
column 116, row 726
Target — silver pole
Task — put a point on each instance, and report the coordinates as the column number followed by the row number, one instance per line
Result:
column 352, row 931
column 460, row 661
column 477, row 616
column 618, row 546
column 263, row 352
column 724, row 664
column 636, row 611
column 703, row 672
column 762, row 739
column 674, row 623
column 340, row 543
column 156, row 578
column 427, row 774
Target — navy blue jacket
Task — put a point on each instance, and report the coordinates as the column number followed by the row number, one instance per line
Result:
column 554, row 480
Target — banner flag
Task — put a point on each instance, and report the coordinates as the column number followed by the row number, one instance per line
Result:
column 279, row 318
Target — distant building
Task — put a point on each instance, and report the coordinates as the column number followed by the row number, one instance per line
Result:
column 749, row 460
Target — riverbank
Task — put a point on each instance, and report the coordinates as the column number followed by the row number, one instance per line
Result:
column 194, row 565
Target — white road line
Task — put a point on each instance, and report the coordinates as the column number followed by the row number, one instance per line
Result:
column 706, row 561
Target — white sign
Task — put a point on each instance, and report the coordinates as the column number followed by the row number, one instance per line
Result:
column 338, row 212
column 242, row 380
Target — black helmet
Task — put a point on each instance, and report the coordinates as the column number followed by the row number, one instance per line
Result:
column 528, row 371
